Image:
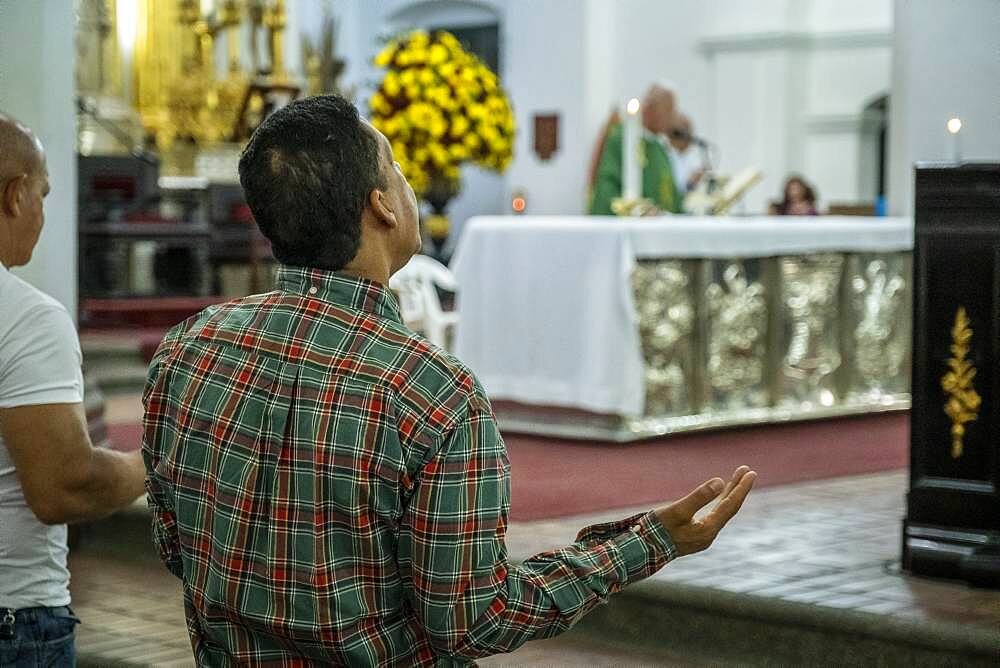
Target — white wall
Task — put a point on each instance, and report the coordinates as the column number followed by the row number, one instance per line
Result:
column 790, row 98
column 37, row 57
column 546, row 72
column 946, row 63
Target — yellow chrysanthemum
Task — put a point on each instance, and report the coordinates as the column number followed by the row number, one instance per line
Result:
column 391, row 84
column 488, row 133
column 437, row 54
column 438, row 127
column 384, row 56
column 459, row 126
column 477, row 112
column 426, row 76
column 441, row 96
column 471, row 141
column 439, row 155
column 418, row 56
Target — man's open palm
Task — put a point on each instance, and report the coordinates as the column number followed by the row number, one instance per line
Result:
column 692, row 535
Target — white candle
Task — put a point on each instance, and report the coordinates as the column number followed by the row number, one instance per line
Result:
column 954, row 127
column 631, row 136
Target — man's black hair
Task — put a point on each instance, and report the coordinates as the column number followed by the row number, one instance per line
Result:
column 306, row 174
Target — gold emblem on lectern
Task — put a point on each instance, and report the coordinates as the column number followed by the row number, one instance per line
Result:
column 963, row 400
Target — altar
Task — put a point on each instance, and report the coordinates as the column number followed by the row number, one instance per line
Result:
column 626, row 328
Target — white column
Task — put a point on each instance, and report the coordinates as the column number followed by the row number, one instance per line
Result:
column 37, row 57
column 945, row 65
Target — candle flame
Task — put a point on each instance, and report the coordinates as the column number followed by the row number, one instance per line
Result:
column 954, row 125
column 633, row 106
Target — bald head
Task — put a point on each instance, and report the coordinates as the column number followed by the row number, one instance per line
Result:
column 24, row 183
column 20, row 150
column 658, row 109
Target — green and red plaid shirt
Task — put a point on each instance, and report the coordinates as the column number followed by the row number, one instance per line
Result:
column 331, row 488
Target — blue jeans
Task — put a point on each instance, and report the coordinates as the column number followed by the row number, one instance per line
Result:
column 41, row 637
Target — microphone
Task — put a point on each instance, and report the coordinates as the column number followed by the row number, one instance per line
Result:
column 683, row 135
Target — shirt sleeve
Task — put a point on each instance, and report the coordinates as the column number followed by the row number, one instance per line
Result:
column 42, row 363
column 155, row 430
column 471, row 601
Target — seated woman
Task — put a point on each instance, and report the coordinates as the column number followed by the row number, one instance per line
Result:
column 799, row 199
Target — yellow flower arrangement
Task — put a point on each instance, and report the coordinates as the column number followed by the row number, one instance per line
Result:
column 440, row 106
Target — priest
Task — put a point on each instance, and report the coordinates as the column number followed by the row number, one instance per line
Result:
column 658, row 184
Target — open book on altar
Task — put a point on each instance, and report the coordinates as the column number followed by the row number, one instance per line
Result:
column 717, row 195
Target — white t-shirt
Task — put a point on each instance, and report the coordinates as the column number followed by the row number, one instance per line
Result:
column 40, row 363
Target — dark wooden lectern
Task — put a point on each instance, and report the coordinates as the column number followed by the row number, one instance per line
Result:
column 952, row 525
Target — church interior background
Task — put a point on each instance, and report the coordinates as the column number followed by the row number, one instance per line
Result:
column 819, row 346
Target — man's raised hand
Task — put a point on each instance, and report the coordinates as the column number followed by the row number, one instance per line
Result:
column 692, row 535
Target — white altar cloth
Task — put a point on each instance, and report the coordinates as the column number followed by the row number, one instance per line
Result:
column 546, row 315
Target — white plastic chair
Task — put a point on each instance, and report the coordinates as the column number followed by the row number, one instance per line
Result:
column 418, row 299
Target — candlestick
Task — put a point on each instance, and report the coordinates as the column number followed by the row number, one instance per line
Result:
column 954, row 127
column 631, row 136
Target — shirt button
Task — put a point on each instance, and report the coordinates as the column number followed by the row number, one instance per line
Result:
column 313, row 290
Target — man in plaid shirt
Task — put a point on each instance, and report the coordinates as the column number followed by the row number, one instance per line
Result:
column 329, row 486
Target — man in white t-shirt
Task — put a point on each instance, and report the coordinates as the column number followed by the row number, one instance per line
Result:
column 50, row 473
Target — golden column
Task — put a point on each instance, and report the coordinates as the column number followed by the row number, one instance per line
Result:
column 229, row 20
column 275, row 21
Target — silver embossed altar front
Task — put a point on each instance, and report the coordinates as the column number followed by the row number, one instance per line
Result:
column 618, row 328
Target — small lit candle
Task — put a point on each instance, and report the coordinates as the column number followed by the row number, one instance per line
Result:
column 518, row 204
column 631, row 169
column 954, row 127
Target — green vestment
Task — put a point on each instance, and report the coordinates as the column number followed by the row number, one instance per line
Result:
column 657, row 176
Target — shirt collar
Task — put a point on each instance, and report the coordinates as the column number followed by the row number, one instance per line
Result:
column 341, row 289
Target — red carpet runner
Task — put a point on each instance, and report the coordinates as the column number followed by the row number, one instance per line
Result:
column 556, row 478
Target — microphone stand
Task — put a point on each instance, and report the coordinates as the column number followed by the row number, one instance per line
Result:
column 120, row 135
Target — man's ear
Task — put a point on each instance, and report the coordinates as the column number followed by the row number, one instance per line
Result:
column 12, row 195
column 381, row 207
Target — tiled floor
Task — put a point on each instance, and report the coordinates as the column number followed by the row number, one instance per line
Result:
column 832, row 543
